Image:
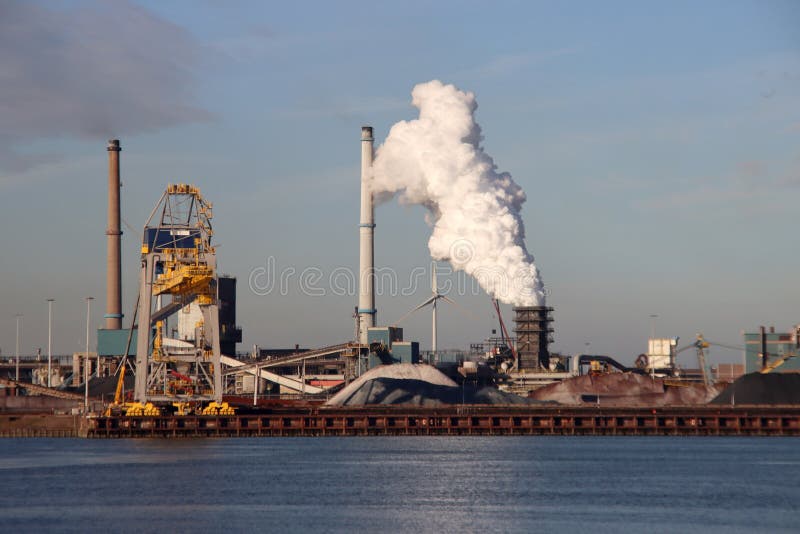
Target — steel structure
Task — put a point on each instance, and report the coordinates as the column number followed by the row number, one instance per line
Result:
column 178, row 268
column 534, row 334
column 701, row 344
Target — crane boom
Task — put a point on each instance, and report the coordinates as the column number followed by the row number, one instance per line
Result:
column 121, row 380
column 504, row 331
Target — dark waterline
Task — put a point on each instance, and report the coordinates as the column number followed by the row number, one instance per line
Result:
column 389, row 484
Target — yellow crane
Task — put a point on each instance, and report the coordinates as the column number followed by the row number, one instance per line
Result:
column 119, row 406
column 701, row 345
column 776, row 363
column 178, row 274
column 768, row 366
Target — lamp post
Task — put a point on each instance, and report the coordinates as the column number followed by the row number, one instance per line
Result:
column 653, row 318
column 86, row 357
column 255, row 387
column 16, row 353
column 49, row 340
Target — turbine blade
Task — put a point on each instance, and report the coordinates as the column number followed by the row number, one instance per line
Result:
column 429, row 301
column 404, row 317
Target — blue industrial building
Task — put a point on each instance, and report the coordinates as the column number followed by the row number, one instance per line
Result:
column 781, row 349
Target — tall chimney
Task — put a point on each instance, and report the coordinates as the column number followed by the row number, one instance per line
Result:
column 113, row 315
column 366, row 271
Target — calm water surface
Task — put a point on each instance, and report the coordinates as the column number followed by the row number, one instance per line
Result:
column 421, row 484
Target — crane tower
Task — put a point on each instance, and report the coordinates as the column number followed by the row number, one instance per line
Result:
column 178, row 276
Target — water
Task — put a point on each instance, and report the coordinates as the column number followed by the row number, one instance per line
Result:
column 419, row 484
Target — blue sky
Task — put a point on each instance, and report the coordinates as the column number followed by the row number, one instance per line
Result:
column 658, row 144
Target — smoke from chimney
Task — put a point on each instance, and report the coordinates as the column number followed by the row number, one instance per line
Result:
column 436, row 161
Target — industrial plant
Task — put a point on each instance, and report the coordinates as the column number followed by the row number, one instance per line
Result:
column 174, row 368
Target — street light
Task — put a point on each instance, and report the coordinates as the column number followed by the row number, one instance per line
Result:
column 255, row 387
column 86, row 357
column 49, row 339
column 653, row 318
column 16, row 354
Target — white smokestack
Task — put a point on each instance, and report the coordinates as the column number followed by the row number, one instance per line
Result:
column 437, row 161
column 366, row 279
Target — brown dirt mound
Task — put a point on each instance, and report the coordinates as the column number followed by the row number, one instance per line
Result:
column 623, row 389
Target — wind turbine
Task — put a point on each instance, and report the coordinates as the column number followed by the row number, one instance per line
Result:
column 432, row 300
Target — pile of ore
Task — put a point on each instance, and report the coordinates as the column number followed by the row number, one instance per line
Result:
column 624, row 389
column 757, row 388
column 104, row 386
column 417, row 385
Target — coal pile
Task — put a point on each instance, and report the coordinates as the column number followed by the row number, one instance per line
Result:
column 624, row 389
column 104, row 386
column 757, row 388
column 417, row 385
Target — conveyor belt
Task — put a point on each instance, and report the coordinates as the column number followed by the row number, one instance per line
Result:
column 300, row 356
column 290, row 383
column 41, row 390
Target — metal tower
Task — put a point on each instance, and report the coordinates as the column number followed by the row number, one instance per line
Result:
column 178, row 269
column 534, row 334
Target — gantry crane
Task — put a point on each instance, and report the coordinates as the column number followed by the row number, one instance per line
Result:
column 178, row 270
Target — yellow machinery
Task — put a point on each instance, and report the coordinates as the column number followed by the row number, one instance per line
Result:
column 178, row 278
column 183, row 408
column 132, row 409
column 136, row 409
column 221, row 408
column 119, row 406
column 598, row 368
column 774, row 364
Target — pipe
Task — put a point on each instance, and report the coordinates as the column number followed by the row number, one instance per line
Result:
column 113, row 315
column 366, row 293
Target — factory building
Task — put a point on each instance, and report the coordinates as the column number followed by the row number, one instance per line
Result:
column 229, row 333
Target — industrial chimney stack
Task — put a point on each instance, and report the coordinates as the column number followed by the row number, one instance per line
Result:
column 113, row 315
column 366, row 279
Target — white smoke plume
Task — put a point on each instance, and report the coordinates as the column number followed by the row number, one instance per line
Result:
column 437, row 161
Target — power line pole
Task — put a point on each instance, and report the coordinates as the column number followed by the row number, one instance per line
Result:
column 49, row 340
column 19, row 317
column 86, row 363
